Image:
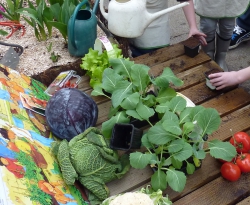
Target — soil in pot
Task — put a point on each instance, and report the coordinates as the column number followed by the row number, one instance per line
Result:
column 191, row 47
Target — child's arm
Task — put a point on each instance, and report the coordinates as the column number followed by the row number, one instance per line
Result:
column 225, row 79
column 190, row 16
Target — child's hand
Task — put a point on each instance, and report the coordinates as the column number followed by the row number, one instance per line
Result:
column 223, row 79
column 199, row 35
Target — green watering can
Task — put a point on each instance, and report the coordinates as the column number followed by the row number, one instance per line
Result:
column 82, row 29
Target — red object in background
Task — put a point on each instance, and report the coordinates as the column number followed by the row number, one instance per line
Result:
column 14, row 25
column 241, row 141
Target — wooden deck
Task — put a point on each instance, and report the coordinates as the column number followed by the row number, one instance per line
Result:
column 205, row 186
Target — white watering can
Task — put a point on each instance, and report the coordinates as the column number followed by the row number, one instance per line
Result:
column 129, row 18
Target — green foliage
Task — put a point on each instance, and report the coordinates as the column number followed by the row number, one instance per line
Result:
column 38, row 18
column 62, row 11
column 54, row 57
column 177, row 139
column 3, row 33
column 11, row 9
column 95, row 63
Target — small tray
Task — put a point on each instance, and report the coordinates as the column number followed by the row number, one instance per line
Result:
column 66, row 79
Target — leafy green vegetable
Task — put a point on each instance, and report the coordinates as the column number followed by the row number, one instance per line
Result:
column 37, row 17
column 10, row 9
column 175, row 143
column 95, row 63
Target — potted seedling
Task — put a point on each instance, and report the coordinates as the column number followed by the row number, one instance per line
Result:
column 191, row 47
column 177, row 138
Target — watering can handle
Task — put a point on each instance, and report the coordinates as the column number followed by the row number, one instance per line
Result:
column 72, row 25
column 104, row 14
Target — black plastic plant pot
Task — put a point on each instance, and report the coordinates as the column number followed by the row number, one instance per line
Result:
column 191, row 47
column 125, row 137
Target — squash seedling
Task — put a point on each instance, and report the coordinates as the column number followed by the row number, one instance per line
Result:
column 177, row 139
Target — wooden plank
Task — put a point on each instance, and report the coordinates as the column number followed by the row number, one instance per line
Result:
column 161, row 55
column 103, row 111
column 194, row 75
column 200, row 93
column 84, row 83
column 233, row 100
column 180, row 64
column 246, row 201
column 235, row 121
column 218, row 191
column 133, row 179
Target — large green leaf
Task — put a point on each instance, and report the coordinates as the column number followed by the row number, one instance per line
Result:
column 185, row 115
column 139, row 76
column 184, row 153
column 209, row 120
column 134, row 114
column 172, row 127
column 158, row 135
column 55, row 10
column 170, row 116
column 30, row 13
column 187, row 128
column 61, row 27
column 131, row 101
column 159, row 180
column 177, row 104
column 165, row 94
column 122, row 66
column 144, row 111
column 176, row 145
column 162, row 108
column 195, row 112
column 145, row 142
column 110, row 80
column 97, row 91
column 222, row 150
column 176, row 180
column 123, row 90
column 47, row 16
column 166, row 77
column 139, row 160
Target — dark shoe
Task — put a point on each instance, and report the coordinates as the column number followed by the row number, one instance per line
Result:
column 239, row 35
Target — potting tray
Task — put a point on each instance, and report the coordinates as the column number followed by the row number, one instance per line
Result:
column 206, row 185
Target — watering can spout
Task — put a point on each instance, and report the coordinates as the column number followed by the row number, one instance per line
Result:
column 152, row 16
column 130, row 18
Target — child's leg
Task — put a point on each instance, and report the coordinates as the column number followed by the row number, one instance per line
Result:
column 224, row 34
column 208, row 26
